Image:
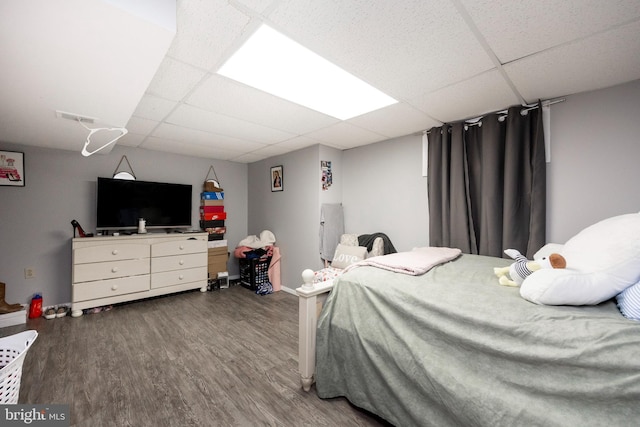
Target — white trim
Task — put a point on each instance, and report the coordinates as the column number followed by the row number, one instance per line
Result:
column 288, row 290
column 425, row 153
column 546, row 124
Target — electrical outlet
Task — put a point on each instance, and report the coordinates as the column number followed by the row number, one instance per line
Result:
column 29, row 273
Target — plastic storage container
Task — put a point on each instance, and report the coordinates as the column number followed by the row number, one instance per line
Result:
column 254, row 272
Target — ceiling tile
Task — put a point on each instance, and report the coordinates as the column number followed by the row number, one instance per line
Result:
column 249, row 158
column 345, row 135
column 193, row 136
column 141, row 126
column 174, row 80
column 257, row 5
column 515, row 29
column 298, row 142
column 482, row 94
column 270, row 151
column 154, row 108
column 171, row 146
column 395, row 120
column 195, row 118
column 230, row 98
column 207, row 29
column 131, row 140
column 579, row 66
column 394, row 47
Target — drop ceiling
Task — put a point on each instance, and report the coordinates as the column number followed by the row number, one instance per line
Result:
column 151, row 66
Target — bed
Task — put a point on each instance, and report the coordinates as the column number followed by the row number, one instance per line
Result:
column 452, row 347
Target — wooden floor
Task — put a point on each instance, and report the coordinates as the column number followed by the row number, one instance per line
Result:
column 222, row 358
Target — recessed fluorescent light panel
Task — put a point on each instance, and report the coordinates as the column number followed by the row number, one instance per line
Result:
column 273, row 63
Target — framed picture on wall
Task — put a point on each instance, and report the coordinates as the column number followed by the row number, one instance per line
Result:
column 12, row 168
column 276, row 178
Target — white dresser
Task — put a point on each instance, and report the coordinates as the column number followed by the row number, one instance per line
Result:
column 112, row 269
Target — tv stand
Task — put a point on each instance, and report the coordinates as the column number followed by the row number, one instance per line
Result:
column 112, row 269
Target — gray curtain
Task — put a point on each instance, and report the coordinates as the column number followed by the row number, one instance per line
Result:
column 487, row 184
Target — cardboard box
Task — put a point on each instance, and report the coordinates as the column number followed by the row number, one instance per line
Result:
column 217, row 260
column 211, row 202
column 217, row 251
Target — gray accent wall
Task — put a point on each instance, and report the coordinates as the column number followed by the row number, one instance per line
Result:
column 293, row 215
column 35, row 228
column 595, row 151
column 384, row 191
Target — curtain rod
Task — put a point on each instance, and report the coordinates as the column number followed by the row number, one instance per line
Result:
column 503, row 113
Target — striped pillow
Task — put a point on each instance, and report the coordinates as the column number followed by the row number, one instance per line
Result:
column 629, row 302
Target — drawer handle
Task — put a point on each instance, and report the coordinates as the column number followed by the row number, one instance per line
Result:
column 114, row 270
column 181, row 277
column 181, row 262
column 181, row 247
column 114, row 252
column 114, row 287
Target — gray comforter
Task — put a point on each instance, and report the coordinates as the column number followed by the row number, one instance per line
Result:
column 454, row 348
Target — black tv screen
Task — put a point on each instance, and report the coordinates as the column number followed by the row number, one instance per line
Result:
column 162, row 205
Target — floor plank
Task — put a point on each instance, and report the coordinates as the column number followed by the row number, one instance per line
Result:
column 222, row 358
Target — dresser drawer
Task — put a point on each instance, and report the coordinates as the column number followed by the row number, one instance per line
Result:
column 113, row 252
column 109, row 288
column 171, row 278
column 110, row 270
column 178, row 262
column 178, row 247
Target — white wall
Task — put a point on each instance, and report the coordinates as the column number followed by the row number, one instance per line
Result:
column 35, row 229
column 594, row 171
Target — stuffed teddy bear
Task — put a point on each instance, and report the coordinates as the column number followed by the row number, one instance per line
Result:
column 515, row 274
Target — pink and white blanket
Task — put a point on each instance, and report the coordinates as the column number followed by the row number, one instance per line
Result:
column 415, row 262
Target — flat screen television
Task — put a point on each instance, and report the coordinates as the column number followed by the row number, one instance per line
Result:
column 122, row 202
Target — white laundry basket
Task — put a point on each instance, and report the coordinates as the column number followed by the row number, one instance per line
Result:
column 12, row 352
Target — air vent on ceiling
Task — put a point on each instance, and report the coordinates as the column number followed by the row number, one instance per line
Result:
column 75, row 117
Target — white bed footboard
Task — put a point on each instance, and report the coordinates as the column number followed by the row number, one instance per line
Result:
column 310, row 299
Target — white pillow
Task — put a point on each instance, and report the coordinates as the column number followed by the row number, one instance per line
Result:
column 347, row 255
column 602, row 261
column 548, row 249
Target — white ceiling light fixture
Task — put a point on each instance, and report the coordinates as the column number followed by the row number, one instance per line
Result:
column 274, row 63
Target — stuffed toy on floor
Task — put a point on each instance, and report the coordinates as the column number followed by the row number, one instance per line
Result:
column 515, row 274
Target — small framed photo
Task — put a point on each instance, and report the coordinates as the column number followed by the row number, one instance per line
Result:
column 276, row 178
column 12, row 168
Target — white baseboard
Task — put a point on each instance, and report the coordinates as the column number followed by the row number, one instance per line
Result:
column 288, row 290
